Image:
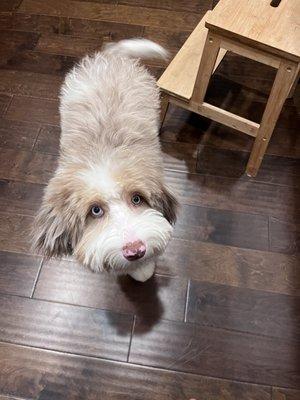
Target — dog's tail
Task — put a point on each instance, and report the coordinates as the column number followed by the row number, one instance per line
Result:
column 137, row 48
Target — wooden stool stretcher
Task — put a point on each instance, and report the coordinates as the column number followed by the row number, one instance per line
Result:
column 253, row 29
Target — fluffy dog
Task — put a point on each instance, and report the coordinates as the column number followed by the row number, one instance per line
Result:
column 107, row 203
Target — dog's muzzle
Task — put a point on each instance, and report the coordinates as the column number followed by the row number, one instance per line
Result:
column 134, row 250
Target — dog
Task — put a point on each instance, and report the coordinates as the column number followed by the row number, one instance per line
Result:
column 107, row 203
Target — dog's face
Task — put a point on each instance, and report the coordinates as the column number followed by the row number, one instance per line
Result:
column 110, row 217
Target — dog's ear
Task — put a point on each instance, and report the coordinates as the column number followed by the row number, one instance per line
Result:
column 57, row 227
column 165, row 202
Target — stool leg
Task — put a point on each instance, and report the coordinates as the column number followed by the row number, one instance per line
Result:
column 285, row 77
column 207, row 63
column 293, row 87
column 164, row 105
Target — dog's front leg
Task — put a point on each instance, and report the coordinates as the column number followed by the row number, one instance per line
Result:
column 143, row 273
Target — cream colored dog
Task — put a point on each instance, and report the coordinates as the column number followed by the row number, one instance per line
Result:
column 107, row 203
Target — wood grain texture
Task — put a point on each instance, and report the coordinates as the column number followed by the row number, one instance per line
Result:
column 9, row 5
column 30, row 84
column 105, row 30
column 247, row 24
column 13, row 42
column 26, row 166
column 67, row 282
column 14, row 233
column 285, row 394
column 285, row 236
column 198, row 6
column 4, row 103
column 179, row 156
column 29, row 22
column 48, row 140
column 244, row 310
column 68, row 45
column 272, row 272
column 230, row 194
column 85, row 331
column 49, row 375
column 18, row 273
column 217, row 352
column 18, row 135
column 223, row 227
column 19, row 197
column 32, row 109
column 110, row 12
column 230, row 163
column 41, row 63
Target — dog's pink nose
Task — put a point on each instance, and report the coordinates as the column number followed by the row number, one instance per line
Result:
column 134, row 250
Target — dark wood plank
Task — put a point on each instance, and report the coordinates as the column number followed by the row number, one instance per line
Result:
column 14, row 42
column 197, row 6
column 49, row 375
column 19, row 197
column 181, row 20
column 68, row 282
column 217, row 352
column 241, row 196
column 42, row 63
column 233, row 266
column 9, row 5
column 26, row 166
column 5, row 100
column 100, row 29
column 285, row 236
column 244, row 310
column 14, row 233
column 18, row 135
column 285, row 394
column 179, row 156
column 247, row 72
column 65, row 328
column 32, row 109
column 68, row 45
column 232, row 164
column 18, row 273
column 223, row 227
column 48, row 140
column 30, row 84
column 29, row 23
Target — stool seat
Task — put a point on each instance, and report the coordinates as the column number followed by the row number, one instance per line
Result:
column 180, row 76
column 259, row 24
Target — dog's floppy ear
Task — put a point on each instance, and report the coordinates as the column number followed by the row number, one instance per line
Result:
column 56, row 228
column 165, row 202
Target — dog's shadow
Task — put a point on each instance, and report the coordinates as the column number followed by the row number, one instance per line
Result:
column 143, row 301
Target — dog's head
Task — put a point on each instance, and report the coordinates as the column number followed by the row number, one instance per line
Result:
column 111, row 217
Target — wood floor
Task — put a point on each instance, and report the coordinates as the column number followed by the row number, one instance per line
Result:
column 221, row 317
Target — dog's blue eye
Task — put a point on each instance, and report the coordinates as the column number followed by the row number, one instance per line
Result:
column 136, row 199
column 97, row 211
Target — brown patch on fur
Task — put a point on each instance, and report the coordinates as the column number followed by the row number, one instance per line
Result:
column 165, row 202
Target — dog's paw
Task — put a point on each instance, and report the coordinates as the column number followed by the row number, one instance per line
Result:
column 142, row 274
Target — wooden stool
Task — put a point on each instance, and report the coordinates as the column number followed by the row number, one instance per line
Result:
column 250, row 28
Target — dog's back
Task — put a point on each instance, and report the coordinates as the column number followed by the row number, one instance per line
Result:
column 110, row 98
